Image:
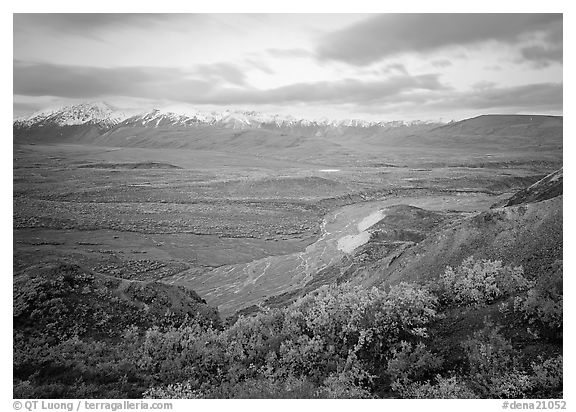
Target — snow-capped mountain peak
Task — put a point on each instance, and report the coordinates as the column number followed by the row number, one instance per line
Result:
column 106, row 116
column 97, row 113
column 166, row 118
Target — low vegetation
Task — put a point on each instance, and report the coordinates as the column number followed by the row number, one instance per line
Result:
column 481, row 282
column 340, row 341
column 542, row 305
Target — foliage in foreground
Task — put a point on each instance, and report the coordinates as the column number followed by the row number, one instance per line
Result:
column 480, row 282
column 337, row 342
column 543, row 303
column 492, row 370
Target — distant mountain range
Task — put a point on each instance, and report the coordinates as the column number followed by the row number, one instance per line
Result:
column 251, row 132
column 104, row 115
column 98, row 114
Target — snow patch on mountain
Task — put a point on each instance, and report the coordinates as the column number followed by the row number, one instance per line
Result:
column 107, row 116
column 96, row 113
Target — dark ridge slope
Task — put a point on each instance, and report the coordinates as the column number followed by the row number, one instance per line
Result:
column 547, row 188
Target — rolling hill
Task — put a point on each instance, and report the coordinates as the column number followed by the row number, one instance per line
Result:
column 62, row 296
column 490, row 134
column 527, row 232
column 412, row 244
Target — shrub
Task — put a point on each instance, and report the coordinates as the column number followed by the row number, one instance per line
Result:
column 494, row 371
column 346, row 325
column 249, row 343
column 487, row 351
column 344, row 386
column 509, row 384
column 179, row 354
column 547, row 377
column 478, row 282
column 543, row 303
column 266, row 387
column 78, row 368
column 175, row 391
column 327, row 342
column 411, row 362
column 411, row 307
column 336, row 342
column 441, row 388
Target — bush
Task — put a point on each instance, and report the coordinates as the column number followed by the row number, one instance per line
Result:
column 174, row 391
column 336, row 342
column 494, row 371
column 78, row 368
column 265, row 387
column 412, row 362
column 343, row 326
column 515, row 383
column 328, row 343
column 488, row 352
column 441, row 388
column 344, row 386
column 543, row 304
column 547, row 377
column 179, row 354
column 250, row 342
column 480, row 282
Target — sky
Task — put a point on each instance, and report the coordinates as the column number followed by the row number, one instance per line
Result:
column 336, row 66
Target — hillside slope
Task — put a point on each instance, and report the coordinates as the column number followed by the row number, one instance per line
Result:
column 505, row 125
column 527, row 232
column 547, row 188
column 527, row 235
column 74, row 330
column 65, row 300
column 489, row 136
column 492, row 134
column 415, row 245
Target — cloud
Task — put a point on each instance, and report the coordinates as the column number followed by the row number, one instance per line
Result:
column 540, row 96
column 441, row 63
column 413, row 94
column 547, row 52
column 41, row 79
column 263, row 67
column 44, row 79
column 227, row 72
column 542, row 56
column 337, row 92
column 88, row 24
column 535, row 98
column 395, row 67
column 386, row 35
column 24, row 108
column 483, row 85
column 288, row 53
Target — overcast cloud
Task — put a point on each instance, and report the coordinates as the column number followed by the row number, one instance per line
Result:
column 387, row 35
column 364, row 66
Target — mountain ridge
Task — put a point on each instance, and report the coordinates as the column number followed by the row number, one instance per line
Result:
column 102, row 113
column 283, row 137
